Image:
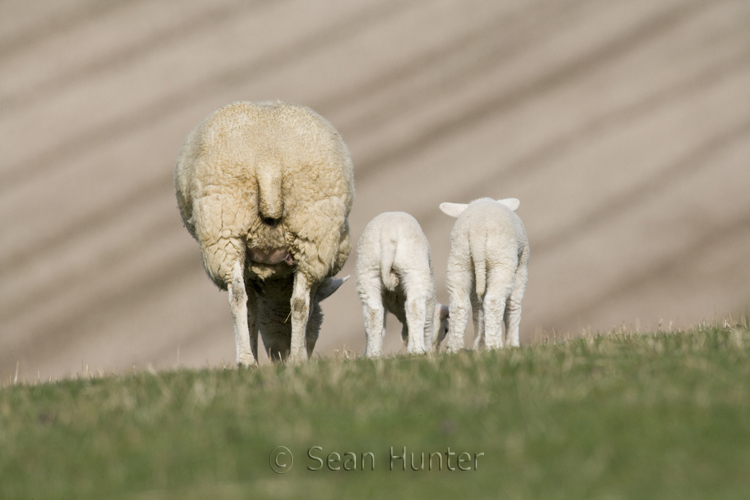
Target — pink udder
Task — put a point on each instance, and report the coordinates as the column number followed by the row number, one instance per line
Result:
column 270, row 256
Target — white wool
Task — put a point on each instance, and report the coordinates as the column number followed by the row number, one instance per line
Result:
column 394, row 274
column 266, row 189
column 487, row 271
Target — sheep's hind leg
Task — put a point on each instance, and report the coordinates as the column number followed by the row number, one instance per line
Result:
column 513, row 308
column 494, row 307
column 374, row 313
column 512, row 321
column 459, row 286
column 238, row 305
column 300, row 304
column 415, row 320
column 476, row 306
column 495, row 299
column 431, row 324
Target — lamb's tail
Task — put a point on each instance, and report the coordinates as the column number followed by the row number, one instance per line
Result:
column 270, row 203
column 479, row 256
column 387, row 256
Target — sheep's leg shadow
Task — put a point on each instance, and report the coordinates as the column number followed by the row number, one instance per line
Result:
column 405, row 335
column 310, row 342
column 300, row 305
column 252, row 320
column 314, row 320
column 238, row 304
column 277, row 349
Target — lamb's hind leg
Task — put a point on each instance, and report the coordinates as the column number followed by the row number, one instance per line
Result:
column 300, row 304
column 415, row 320
column 476, row 306
column 246, row 356
column 374, row 314
column 499, row 286
column 459, row 283
column 513, row 308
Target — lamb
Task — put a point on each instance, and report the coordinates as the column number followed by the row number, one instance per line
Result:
column 394, row 274
column 487, row 271
column 265, row 189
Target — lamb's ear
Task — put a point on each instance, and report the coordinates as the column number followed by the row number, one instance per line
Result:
column 512, row 203
column 329, row 286
column 453, row 209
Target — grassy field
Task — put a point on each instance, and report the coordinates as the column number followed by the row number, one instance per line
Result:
column 663, row 415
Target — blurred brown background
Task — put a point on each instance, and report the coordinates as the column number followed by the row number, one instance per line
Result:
column 623, row 128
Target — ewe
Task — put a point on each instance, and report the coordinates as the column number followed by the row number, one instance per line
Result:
column 266, row 188
column 487, row 271
column 394, row 274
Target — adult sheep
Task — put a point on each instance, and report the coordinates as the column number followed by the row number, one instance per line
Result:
column 487, row 271
column 266, row 188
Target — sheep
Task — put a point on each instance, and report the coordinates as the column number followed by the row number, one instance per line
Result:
column 265, row 189
column 489, row 250
column 394, row 274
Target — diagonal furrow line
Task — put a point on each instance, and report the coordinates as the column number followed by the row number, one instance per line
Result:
column 88, row 225
column 694, row 160
column 71, row 20
column 53, row 335
column 99, row 264
column 170, row 105
column 538, row 158
column 657, row 271
column 502, row 23
column 523, row 167
column 194, row 334
column 523, row 33
column 72, row 76
column 641, row 35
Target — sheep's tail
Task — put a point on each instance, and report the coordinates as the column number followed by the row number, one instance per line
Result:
column 270, row 203
column 387, row 256
column 479, row 256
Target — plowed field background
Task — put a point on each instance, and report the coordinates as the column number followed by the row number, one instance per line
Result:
column 623, row 128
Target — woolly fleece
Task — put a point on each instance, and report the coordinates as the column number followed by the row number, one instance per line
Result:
column 487, row 271
column 394, row 274
column 266, row 188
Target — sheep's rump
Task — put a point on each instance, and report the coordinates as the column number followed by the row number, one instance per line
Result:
column 487, row 235
column 270, row 184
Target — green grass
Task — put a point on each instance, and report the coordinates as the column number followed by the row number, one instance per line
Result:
column 618, row 416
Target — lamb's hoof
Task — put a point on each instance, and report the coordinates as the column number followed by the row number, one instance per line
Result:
column 246, row 361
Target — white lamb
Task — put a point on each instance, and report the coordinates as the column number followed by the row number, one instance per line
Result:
column 487, row 271
column 266, row 189
column 394, row 274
